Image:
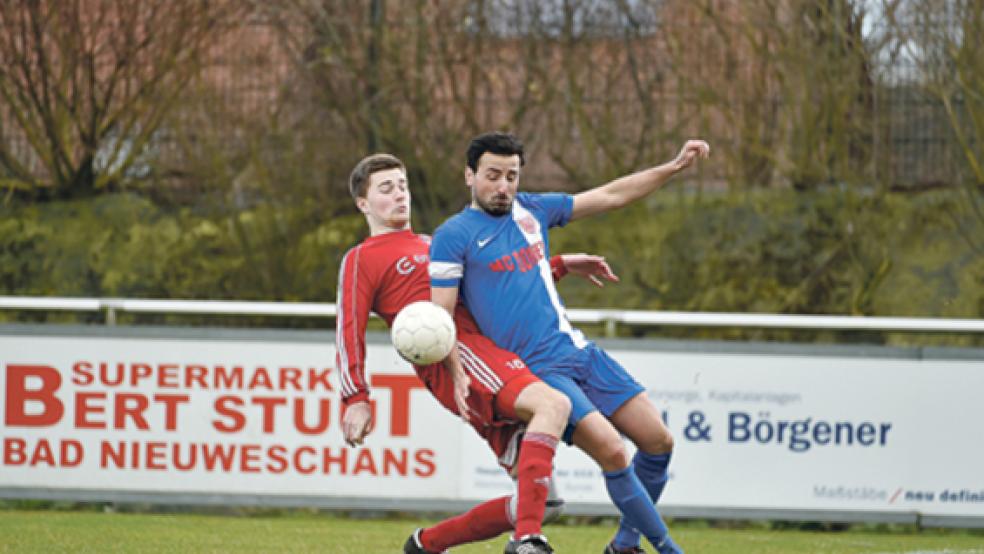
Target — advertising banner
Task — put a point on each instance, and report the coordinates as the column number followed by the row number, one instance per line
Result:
column 816, row 433
column 765, row 428
column 214, row 416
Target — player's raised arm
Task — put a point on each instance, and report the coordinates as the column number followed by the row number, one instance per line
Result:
column 629, row 188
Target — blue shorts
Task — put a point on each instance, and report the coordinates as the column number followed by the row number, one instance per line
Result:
column 593, row 380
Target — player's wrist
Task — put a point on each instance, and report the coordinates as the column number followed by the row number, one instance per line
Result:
column 558, row 267
column 355, row 399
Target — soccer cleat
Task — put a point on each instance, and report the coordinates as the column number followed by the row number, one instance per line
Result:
column 529, row 544
column 413, row 546
column 611, row 549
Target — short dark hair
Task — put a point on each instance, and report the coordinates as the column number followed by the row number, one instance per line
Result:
column 359, row 179
column 503, row 144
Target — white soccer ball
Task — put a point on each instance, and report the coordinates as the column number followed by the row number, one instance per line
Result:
column 423, row 333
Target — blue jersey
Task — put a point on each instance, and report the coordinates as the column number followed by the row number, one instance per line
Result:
column 501, row 265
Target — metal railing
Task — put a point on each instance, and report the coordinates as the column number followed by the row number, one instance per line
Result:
column 610, row 318
column 112, row 306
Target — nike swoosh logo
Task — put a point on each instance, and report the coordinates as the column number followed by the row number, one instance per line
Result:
column 482, row 243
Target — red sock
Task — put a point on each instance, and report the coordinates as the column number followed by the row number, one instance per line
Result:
column 532, row 474
column 485, row 521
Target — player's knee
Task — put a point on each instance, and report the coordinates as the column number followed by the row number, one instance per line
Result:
column 661, row 442
column 552, row 405
column 558, row 405
column 667, row 443
column 613, row 456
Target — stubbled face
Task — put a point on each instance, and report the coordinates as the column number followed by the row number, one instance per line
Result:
column 387, row 201
column 494, row 183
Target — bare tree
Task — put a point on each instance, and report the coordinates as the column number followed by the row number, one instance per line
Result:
column 942, row 40
column 789, row 85
column 417, row 79
column 85, row 86
column 724, row 54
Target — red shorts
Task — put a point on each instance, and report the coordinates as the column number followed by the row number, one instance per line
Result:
column 497, row 378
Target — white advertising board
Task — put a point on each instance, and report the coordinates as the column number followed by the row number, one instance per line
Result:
column 211, row 417
column 813, row 433
column 767, row 431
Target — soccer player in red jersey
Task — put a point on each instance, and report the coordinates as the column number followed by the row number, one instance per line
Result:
column 492, row 388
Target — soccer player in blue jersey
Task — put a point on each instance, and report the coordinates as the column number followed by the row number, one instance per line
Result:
column 495, row 254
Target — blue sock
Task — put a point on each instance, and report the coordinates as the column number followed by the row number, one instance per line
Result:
column 652, row 471
column 631, row 498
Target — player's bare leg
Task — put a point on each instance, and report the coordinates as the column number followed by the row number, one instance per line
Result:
column 543, row 408
column 640, row 421
column 546, row 411
column 599, row 438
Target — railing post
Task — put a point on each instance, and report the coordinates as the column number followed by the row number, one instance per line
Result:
column 111, row 305
column 611, row 328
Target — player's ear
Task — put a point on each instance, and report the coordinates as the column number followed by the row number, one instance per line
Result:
column 363, row 205
column 469, row 176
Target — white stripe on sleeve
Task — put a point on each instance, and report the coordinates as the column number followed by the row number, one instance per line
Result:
column 445, row 270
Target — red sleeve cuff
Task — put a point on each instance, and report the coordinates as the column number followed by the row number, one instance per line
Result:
column 557, row 267
column 357, row 397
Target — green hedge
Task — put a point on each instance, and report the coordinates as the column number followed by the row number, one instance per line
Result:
column 124, row 246
column 835, row 251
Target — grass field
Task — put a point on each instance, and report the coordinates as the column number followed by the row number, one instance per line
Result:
column 71, row 531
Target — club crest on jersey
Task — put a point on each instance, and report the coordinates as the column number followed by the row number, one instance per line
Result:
column 528, row 224
column 404, row 266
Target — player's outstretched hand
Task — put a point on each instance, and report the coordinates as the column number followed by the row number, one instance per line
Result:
column 357, row 423
column 692, row 150
column 591, row 267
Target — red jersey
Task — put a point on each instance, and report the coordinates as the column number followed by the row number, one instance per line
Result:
column 383, row 274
